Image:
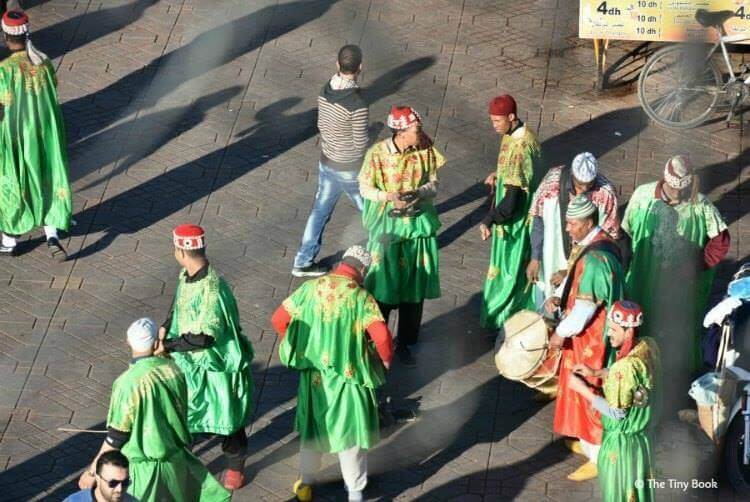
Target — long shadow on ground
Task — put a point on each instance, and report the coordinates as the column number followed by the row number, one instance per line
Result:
column 276, row 131
column 484, row 413
column 209, row 50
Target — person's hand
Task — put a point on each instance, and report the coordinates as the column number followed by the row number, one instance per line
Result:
column 555, row 341
column 394, row 198
column 577, row 384
column 162, row 333
column 557, row 278
column 484, row 231
column 87, row 480
column 552, row 304
column 583, row 370
column 159, row 348
column 490, row 180
column 532, row 271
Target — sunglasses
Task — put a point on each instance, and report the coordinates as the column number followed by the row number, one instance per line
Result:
column 114, row 483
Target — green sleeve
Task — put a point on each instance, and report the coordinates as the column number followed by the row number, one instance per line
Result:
column 122, row 406
column 714, row 222
column 596, row 283
column 371, row 312
column 626, row 224
column 620, row 384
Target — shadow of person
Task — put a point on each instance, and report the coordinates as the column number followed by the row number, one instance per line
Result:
column 277, row 130
column 77, row 31
column 138, row 141
column 504, row 483
column 51, row 466
column 176, row 69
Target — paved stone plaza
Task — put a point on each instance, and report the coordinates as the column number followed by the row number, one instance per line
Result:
column 204, row 111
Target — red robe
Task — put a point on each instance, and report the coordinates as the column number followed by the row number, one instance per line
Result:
column 574, row 417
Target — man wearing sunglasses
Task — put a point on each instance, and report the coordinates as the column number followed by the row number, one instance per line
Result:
column 112, row 481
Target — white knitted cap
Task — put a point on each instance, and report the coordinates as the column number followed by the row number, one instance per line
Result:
column 142, row 334
column 360, row 254
column 585, row 167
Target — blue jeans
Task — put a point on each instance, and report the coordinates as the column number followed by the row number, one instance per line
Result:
column 331, row 184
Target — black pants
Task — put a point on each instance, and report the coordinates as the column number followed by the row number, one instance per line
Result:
column 234, row 447
column 409, row 320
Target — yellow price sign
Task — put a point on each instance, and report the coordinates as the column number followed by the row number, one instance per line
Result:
column 657, row 20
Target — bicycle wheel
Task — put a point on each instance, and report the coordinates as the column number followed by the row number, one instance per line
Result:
column 679, row 86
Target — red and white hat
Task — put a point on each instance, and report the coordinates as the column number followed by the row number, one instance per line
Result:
column 626, row 314
column 403, row 117
column 678, row 173
column 189, row 237
column 15, row 22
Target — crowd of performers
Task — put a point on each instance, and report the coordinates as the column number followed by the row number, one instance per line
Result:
column 617, row 290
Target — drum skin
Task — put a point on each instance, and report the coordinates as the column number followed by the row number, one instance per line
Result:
column 521, row 352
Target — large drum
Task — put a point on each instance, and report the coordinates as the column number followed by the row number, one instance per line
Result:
column 522, row 352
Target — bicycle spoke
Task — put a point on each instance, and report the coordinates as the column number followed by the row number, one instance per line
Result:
column 680, row 86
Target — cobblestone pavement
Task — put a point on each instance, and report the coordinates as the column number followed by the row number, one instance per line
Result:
column 203, row 111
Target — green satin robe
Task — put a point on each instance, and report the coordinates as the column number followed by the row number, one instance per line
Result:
column 326, row 341
column 149, row 401
column 34, row 187
column 667, row 277
column 626, row 460
column 219, row 378
column 506, row 290
column 405, row 267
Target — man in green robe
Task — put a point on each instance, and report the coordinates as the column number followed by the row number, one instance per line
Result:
column 204, row 337
column 678, row 238
column 335, row 336
column 519, row 167
column 629, row 408
column 399, row 181
column 147, row 421
column 34, row 187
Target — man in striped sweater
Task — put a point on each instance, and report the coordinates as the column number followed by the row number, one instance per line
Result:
column 343, row 124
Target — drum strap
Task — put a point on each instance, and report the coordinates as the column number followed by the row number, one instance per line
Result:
column 605, row 244
column 563, row 199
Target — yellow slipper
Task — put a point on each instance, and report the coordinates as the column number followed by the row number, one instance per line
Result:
column 574, row 445
column 302, row 491
column 584, row 473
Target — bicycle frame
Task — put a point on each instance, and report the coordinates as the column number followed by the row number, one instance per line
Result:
column 728, row 39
